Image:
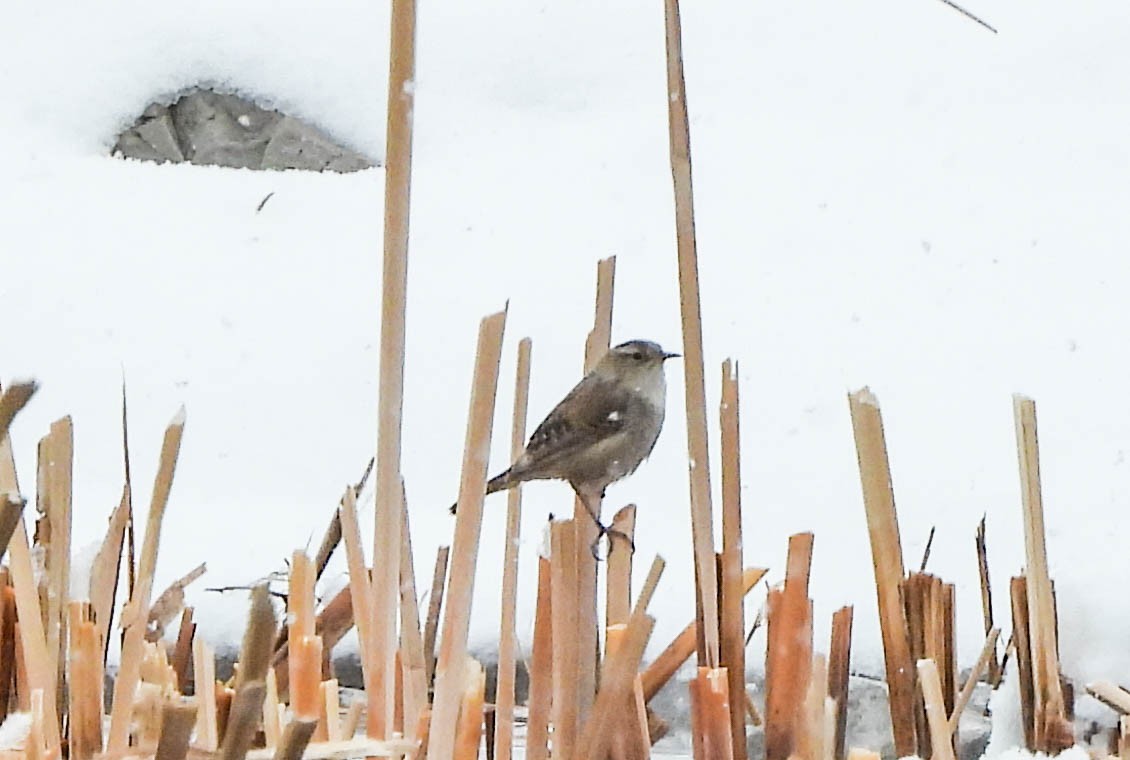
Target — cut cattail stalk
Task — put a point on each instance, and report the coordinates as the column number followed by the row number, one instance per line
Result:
column 631, row 739
column 584, row 677
column 12, row 400
column 886, row 555
column 788, row 653
column 305, row 675
column 53, row 535
column 465, row 547
column 136, row 621
column 1020, row 635
column 615, row 688
column 541, row 669
column 34, row 747
column 352, row 719
column 839, row 660
column 11, row 513
column 359, row 587
column 507, row 636
column 986, row 596
column 295, row 738
column 940, row 740
column 243, row 719
column 413, row 662
column 85, row 684
column 710, row 714
column 32, row 650
column 732, row 626
column 300, row 596
column 1048, row 703
column 177, row 721
column 618, row 571
column 988, row 654
column 204, row 681
column 104, row 572
column 810, row 736
column 182, row 651
column 435, row 602
column 1114, row 697
column 329, row 703
column 7, row 641
column 664, row 667
column 702, row 520
column 394, row 285
column 272, row 725
column 468, row 734
column 563, row 562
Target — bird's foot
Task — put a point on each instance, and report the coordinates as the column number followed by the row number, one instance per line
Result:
column 609, row 533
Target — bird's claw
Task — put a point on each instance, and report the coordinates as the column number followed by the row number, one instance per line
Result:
column 611, row 533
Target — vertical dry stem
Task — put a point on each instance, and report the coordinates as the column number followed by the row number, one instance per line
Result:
column 465, row 547
column 507, row 638
column 136, row 623
column 702, row 519
column 394, row 285
column 886, row 555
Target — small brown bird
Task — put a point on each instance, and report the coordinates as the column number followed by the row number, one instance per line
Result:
column 602, row 430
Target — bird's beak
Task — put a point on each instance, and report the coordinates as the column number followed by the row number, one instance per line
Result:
column 671, row 356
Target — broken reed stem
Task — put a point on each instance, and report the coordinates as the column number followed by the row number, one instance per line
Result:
column 702, row 519
column 940, row 740
column 32, row 641
column 11, row 513
column 584, row 679
column 664, row 667
column 788, row 652
column 413, row 662
column 541, row 669
column 204, row 683
column 1018, row 588
column 105, row 570
column 468, row 734
column 507, row 636
column 133, row 645
column 618, row 571
column 12, row 400
column 295, row 737
column 53, row 537
column 711, row 715
column 394, row 284
column 730, row 572
column 988, row 653
column 465, row 546
column 563, row 568
column 177, row 721
column 619, row 673
column 1049, row 703
column 435, row 602
column 886, row 555
column 84, row 679
column 359, row 586
column 986, row 596
column 839, row 661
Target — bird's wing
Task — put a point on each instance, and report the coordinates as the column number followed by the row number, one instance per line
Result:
column 594, row 410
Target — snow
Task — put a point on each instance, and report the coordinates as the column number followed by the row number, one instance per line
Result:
column 886, row 195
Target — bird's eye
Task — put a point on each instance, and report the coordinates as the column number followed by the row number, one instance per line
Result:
column 637, row 356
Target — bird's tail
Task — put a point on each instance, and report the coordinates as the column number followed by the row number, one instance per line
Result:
column 499, row 482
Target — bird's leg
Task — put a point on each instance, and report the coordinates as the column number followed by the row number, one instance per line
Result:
column 592, row 506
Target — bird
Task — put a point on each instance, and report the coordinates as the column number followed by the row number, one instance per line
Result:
column 603, row 429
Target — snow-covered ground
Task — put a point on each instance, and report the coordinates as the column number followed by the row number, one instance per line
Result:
column 887, row 194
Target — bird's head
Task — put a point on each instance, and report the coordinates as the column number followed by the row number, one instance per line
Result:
column 634, row 362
